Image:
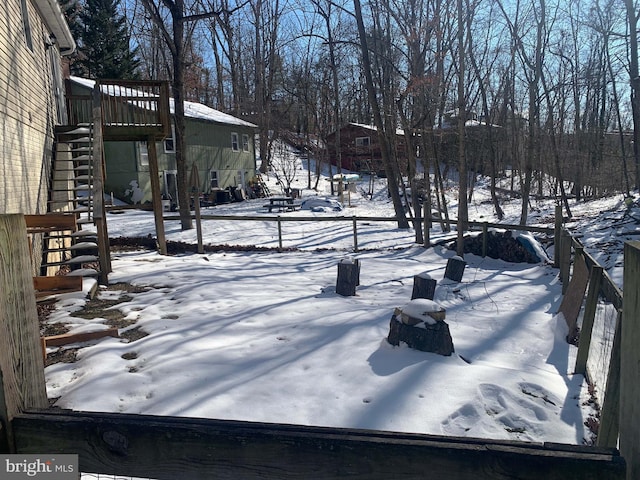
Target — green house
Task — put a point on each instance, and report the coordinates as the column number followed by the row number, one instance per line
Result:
column 221, row 146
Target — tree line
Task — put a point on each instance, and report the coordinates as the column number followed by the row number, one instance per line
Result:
column 546, row 88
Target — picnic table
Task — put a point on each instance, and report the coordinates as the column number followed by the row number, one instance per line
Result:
column 282, row 204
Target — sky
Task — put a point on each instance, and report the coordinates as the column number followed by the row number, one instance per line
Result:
column 263, row 335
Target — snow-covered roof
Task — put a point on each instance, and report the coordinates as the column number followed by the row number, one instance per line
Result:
column 373, row 128
column 191, row 109
column 202, row 112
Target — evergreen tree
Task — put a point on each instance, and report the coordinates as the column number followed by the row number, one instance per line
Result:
column 104, row 49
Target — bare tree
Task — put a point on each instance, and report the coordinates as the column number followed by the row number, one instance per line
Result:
column 632, row 19
column 176, row 29
column 390, row 167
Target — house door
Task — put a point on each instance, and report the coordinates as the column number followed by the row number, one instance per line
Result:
column 170, row 187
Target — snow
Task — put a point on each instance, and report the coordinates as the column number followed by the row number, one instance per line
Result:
column 263, row 336
column 191, row 109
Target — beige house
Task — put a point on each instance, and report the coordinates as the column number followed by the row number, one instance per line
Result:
column 33, row 38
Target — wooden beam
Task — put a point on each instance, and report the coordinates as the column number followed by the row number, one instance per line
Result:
column 591, row 306
column 67, row 338
column 22, row 383
column 170, row 447
column 156, row 195
column 46, row 286
column 629, row 361
column 50, row 222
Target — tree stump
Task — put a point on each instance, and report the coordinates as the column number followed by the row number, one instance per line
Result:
column 455, row 268
column 423, row 286
column 420, row 324
column 348, row 277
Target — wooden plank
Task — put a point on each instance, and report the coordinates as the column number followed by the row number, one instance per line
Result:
column 595, row 280
column 629, row 360
column 58, row 282
column 50, row 221
column 22, row 382
column 67, row 338
column 170, row 447
column 572, row 300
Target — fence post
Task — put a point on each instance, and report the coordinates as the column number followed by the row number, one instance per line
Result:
column 595, row 280
column 565, row 259
column 22, row 383
column 557, row 236
column 355, row 235
column 426, row 209
column 279, row 232
column 629, row 361
column 485, row 239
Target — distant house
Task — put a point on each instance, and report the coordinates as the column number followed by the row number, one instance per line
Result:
column 360, row 149
column 220, row 145
column 33, row 38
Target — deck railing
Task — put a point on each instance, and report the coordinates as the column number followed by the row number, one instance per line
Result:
column 131, row 109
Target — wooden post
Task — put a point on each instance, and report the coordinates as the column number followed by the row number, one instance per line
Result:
column 348, row 277
column 595, row 280
column 565, row 259
column 557, row 236
column 195, row 189
column 355, row 234
column 629, row 361
column 97, row 190
column 485, row 238
column 423, row 286
column 22, row 383
column 156, row 195
column 279, row 232
column 426, row 208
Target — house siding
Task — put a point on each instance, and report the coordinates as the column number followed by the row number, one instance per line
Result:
column 27, row 111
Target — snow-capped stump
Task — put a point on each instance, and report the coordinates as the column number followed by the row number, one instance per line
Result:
column 348, row 277
column 455, row 268
column 423, row 286
column 420, row 324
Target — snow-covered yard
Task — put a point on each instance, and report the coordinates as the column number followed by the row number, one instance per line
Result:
column 262, row 336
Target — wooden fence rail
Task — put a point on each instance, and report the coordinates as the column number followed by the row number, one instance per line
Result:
column 170, row 447
column 199, row 449
column 281, row 221
column 603, row 293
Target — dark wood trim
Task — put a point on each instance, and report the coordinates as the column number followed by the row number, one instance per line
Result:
column 170, row 447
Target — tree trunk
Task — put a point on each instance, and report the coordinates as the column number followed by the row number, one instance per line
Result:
column 391, row 168
column 635, row 85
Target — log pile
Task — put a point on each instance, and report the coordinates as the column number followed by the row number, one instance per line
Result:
column 500, row 245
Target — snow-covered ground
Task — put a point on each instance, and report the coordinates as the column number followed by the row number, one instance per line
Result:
column 263, row 336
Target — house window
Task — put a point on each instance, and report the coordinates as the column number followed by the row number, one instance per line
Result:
column 362, row 141
column 143, row 154
column 235, row 145
column 245, row 142
column 213, row 180
column 26, row 24
column 170, row 142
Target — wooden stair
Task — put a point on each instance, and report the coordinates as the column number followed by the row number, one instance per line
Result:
column 71, row 233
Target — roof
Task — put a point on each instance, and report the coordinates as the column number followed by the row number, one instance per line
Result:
column 192, row 110
column 373, row 128
column 55, row 21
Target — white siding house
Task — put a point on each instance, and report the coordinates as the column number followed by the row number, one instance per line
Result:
column 33, row 38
